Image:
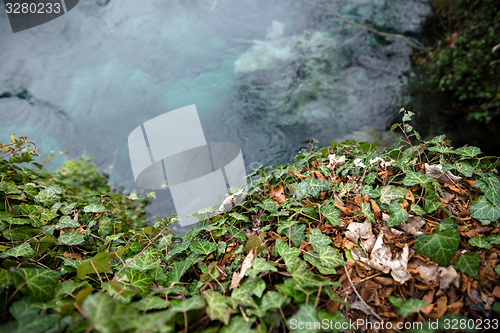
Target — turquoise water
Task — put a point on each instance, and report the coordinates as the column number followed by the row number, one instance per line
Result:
column 266, row 75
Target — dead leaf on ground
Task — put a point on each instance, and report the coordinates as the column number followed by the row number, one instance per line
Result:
column 247, row 263
column 413, row 225
column 363, row 231
column 436, row 172
column 277, row 194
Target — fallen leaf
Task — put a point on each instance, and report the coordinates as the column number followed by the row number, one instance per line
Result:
column 436, row 172
column 277, row 194
column 448, row 275
column 413, row 225
column 247, row 263
column 363, row 231
column 232, row 200
column 399, row 266
column 335, row 161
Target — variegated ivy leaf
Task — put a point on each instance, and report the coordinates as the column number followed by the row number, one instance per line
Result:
column 417, row 209
column 493, row 239
column 296, row 233
column 314, row 260
column 272, row 300
column 330, row 257
column 218, row 308
column 398, row 215
column 192, row 303
column 240, row 217
column 389, row 193
column 140, row 281
column 67, row 222
column 94, row 208
column 480, row 242
column 101, row 263
column 414, row 178
column 317, row 239
column 143, row 262
column 483, row 209
column 41, row 283
column 260, row 265
column 203, row 247
column 237, row 233
column 331, row 214
column 366, row 209
column 242, row 297
column 312, row 187
column 23, row 250
column 468, row 152
column 71, row 238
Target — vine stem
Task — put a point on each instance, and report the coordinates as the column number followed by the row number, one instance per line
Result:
column 363, row 27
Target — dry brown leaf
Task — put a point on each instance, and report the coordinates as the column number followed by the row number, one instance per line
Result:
column 428, row 298
column 278, row 194
column 363, row 231
column 380, row 256
column 375, row 208
column 344, row 209
column 399, row 266
column 410, row 197
column 413, row 225
column 440, row 308
column 247, row 263
column 335, row 161
column 75, row 256
column 448, row 275
column 436, row 172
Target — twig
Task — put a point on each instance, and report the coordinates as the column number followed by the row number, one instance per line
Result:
column 360, row 26
column 363, row 301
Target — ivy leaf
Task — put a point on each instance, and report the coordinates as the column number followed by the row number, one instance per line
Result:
column 445, row 225
column 101, row 261
column 203, row 247
column 151, row 303
column 99, row 309
column 468, row 263
column 490, row 186
column 440, row 247
column 9, row 187
column 67, row 222
column 398, row 215
column 217, row 306
column 144, row 262
column 414, row 178
column 71, row 238
column 317, row 239
column 312, row 187
column 272, row 300
column 431, row 202
column 260, row 265
column 23, row 250
column 406, row 307
column 240, row 217
column 465, row 168
column 94, row 208
column 480, row 242
column 303, row 276
column 417, row 209
column 366, row 209
column 306, row 314
column 140, row 281
column 296, row 233
column 237, row 234
column 192, row 303
column 469, row 151
column 493, row 239
column 316, row 262
column 48, row 194
column 442, row 149
column 483, row 209
column 388, row 193
column 240, row 325
column 331, row 214
column 178, row 270
column 330, row 257
column 41, row 283
column 242, row 297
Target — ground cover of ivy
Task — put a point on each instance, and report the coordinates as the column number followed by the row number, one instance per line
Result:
column 345, row 232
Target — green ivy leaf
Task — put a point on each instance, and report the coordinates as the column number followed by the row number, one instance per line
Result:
column 480, row 242
column 178, row 270
column 406, row 307
column 151, row 303
column 468, row 263
column 314, row 260
column 312, row 187
column 493, row 239
column 240, row 217
column 238, row 324
column 242, row 297
column 94, row 208
column 445, row 225
column 67, row 222
column 41, row 283
column 71, row 238
column 203, row 247
column 442, row 149
column 490, row 186
column 99, row 309
column 431, row 202
column 144, row 262
column 465, row 168
column 330, row 257
column 272, row 300
column 417, row 209
column 414, row 178
column 296, row 233
column 260, row 265
column 237, row 234
column 317, row 239
column 331, row 214
column 483, row 209
column 101, row 261
column 23, row 250
column 398, row 214
column 192, row 303
column 140, row 281
column 217, row 306
column 366, row 209
column 469, row 151
column 9, row 187
column 307, row 316
column 440, row 247
column 389, row 193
